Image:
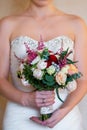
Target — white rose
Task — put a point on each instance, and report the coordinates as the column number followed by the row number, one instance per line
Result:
column 51, row 70
column 65, row 69
column 42, row 64
column 37, row 73
column 61, row 78
column 36, row 60
column 71, row 86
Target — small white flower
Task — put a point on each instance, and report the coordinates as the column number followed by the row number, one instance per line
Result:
column 21, row 67
column 71, row 86
column 25, row 82
column 36, row 60
column 42, row 64
column 37, row 73
column 33, row 69
column 61, row 78
column 51, row 70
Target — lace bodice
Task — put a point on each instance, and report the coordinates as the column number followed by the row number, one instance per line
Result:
column 18, row 48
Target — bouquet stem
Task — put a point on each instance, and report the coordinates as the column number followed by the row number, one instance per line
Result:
column 46, row 112
column 44, row 117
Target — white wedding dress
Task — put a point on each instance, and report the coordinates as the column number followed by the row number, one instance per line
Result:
column 16, row 116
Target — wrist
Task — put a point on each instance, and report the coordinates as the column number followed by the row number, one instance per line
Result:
column 25, row 99
column 66, row 109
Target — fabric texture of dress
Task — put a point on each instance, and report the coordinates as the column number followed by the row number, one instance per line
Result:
column 16, row 117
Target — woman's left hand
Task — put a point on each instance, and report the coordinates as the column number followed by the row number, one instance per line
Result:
column 57, row 116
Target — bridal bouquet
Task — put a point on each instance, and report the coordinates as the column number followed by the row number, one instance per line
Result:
column 45, row 70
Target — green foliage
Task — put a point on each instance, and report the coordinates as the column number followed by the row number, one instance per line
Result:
column 57, row 92
column 73, row 77
column 45, row 54
column 64, row 53
column 46, row 84
column 71, row 62
column 44, row 117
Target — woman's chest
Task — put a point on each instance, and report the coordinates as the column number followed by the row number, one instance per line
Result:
column 48, row 29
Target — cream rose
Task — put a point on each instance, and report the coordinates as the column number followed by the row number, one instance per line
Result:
column 51, row 70
column 61, row 78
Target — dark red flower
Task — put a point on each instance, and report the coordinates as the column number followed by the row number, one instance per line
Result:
column 52, row 58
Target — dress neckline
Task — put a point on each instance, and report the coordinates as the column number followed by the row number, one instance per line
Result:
column 28, row 37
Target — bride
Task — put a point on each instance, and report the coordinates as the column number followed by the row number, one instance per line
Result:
column 55, row 26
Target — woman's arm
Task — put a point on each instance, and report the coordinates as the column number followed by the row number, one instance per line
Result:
column 35, row 98
column 80, row 31
column 6, row 89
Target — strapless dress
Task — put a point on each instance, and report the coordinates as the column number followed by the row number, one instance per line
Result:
column 16, row 117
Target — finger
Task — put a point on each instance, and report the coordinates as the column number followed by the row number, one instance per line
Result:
column 43, row 96
column 44, row 101
column 48, row 103
column 46, row 93
column 49, row 99
column 50, row 122
column 51, row 125
column 37, row 120
column 42, row 104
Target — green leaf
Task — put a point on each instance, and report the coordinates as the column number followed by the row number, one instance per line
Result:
column 50, row 83
column 71, row 62
column 57, row 92
column 49, row 78
column 77, row 75
column 73, row 77
column 69, row 78
column 64, row 53
column 45, row 54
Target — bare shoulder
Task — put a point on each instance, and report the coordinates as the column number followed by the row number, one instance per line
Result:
column 76, row 21
column 8, row 23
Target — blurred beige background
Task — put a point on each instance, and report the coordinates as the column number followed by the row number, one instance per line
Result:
column 78, row 7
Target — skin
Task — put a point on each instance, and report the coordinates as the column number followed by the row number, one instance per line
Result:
column 42, row 18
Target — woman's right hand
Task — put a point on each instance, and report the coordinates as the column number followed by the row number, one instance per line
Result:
column 38, row 98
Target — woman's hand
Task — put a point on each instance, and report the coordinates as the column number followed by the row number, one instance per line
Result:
column 56, row 117
column 38, row 98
